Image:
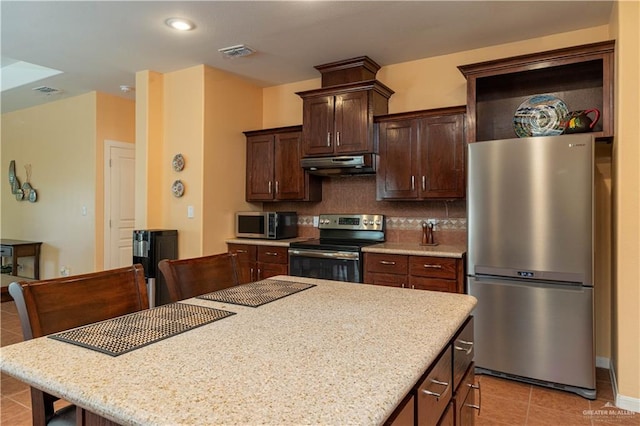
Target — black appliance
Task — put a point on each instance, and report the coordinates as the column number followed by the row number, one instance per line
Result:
column 337, row 254
column 267, row 225
column 150, row 246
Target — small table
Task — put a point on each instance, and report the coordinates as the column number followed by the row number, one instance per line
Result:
column 19, row 248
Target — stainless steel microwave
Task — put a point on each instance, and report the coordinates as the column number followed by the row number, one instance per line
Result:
column 267, row 225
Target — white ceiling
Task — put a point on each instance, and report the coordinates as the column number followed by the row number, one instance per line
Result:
column 100, row 45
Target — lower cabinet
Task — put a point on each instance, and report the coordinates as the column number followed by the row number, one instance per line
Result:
column 257, row 262
column 416, row 272
column 465, row 399
column 446, row 394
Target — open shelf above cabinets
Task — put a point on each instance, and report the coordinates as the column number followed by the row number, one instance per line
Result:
column 581, row 76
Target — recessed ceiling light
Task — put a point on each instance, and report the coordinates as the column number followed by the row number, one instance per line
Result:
column 180, row 24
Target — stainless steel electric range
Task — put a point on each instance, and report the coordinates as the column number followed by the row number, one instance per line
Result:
column 337, row 254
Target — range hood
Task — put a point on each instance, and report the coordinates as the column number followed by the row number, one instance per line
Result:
column 345, row 165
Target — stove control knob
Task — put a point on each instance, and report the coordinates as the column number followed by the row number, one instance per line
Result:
column 365, row 222
column 378, row 222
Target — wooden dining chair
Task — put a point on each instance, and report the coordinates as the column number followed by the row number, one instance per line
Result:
column 58, row 304
column 188, row 278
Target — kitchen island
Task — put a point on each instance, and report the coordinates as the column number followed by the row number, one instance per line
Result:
column 336, row 353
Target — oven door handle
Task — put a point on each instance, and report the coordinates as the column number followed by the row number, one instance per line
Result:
column 341, row 255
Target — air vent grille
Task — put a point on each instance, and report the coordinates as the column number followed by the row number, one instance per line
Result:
column 47, row 90
column 236, row 51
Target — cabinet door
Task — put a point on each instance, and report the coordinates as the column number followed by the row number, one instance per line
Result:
column 289, row 175
column 433, row 284
column 246, row 261
column 267, row 270
column 390, row 280
column 465, row 400
column 398, row 145
column 352, row 123
column 442, row 157
column 260, row 165
column 317, row 131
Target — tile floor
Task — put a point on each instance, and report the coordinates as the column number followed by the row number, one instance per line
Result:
column 504, row 402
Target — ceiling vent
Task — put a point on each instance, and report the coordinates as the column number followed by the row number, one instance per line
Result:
column 47, row 90
column 236, row 51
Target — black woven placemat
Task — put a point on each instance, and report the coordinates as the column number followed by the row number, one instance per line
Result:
column 124, row 334
column 257, row 293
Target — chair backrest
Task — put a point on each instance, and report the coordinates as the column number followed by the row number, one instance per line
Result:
column 53, row 305
column 188, row 278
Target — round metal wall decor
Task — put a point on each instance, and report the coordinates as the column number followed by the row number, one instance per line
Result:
column 177, row 188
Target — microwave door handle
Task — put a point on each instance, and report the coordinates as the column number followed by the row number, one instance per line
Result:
column 325, row 254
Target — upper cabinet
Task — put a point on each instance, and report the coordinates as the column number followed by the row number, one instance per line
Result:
column 421, row 155
column 338, row 118
column 581, row 76
column 273, row 167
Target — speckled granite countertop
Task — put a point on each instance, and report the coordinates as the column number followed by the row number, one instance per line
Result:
column 415, row 249
column 338, row 353
column 259, row 242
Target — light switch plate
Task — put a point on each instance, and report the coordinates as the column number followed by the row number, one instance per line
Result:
column 190, row 212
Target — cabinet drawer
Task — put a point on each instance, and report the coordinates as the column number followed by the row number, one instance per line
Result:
column 435, row 391
column 434, row 284
column 386, row 263
column 245, row 252
column 433, row 267
column 7, row 251
column 462, row 352
column 272, row 254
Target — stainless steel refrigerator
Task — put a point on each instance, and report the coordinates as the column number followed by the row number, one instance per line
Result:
column 530, row 259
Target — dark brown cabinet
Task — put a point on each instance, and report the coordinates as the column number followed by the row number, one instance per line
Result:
column 445, row 394
column 257, row 262
column 273, row 167
column 415, row 272
column 339, row 119
column 581, row 76
column 421, row 155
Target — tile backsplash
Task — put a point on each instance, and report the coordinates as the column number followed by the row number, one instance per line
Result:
column 357, row 194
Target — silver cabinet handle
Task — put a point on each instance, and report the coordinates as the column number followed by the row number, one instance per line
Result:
column 269, row 187
column 437, row 382
column 241, row 251
column 479, row 404
column 328, row 138
column 413, row 182
column 270, row 253
column 337, row 138
column 387, row 262
column 259, row 274
column 432, row 266
column 277, row 188
column 424, row 183
column 251, row 275
column 464, row 342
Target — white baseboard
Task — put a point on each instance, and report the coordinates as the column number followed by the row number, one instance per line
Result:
column 602, row 362
column 622, row 401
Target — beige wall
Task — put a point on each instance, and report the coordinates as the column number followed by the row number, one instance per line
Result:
column 199, row 112
column 231, row 106
column 115, row 121
column 626, row 210
column 149, row 153
column 64, row 143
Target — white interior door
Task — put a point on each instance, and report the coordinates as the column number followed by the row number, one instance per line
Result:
column 119, row 203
